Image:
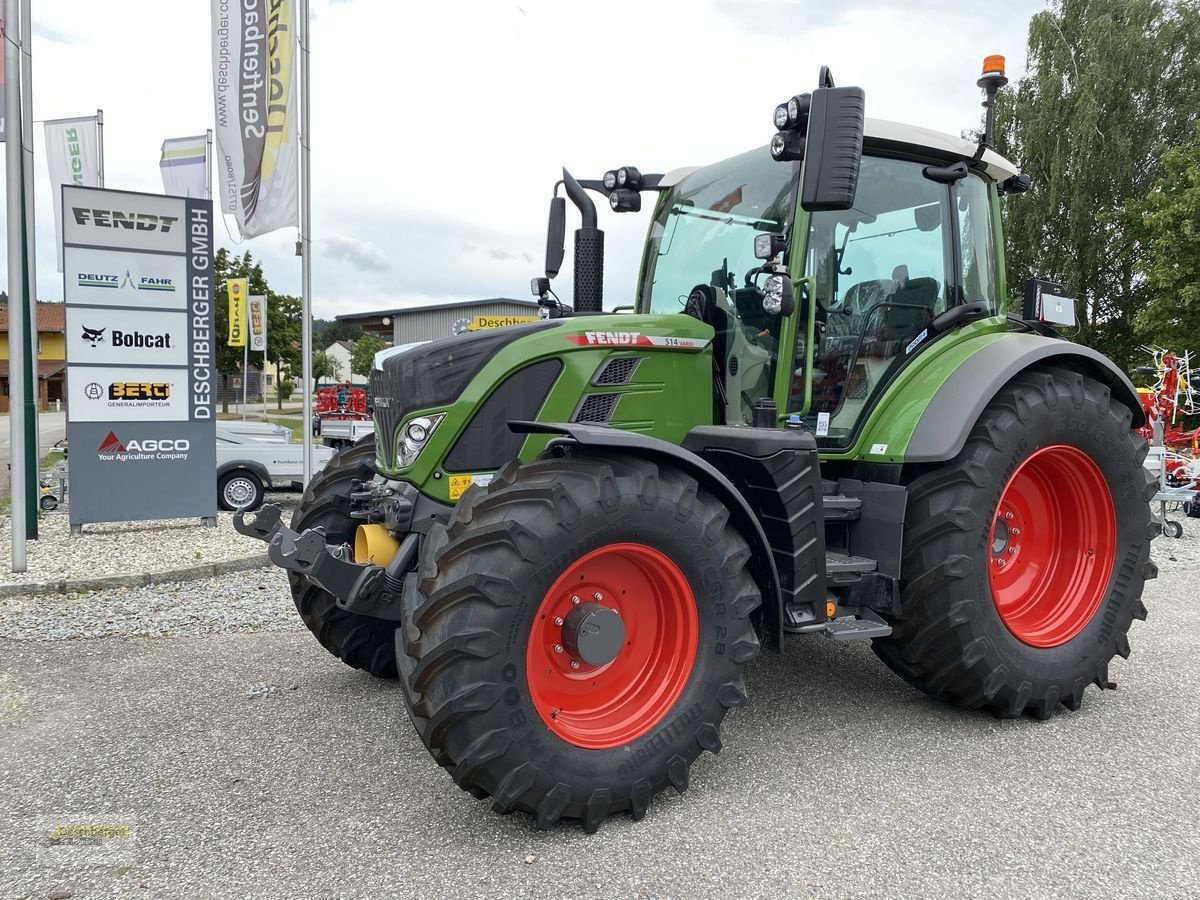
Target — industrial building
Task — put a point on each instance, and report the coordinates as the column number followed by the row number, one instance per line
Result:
column 439, row 320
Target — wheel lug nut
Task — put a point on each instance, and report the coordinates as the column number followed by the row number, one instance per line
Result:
column 1008, row 515
column 1012, row 550
column 1016, row 531
column 558, row 620
column 616, row 611
column 575, row 600
column 574, row 664
column 558, row 648
column 597, row 596
column 1000, row 562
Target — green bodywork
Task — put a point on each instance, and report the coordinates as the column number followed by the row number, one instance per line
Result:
column 671, row 390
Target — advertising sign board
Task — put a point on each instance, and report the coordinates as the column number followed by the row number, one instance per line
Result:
column 140, row 355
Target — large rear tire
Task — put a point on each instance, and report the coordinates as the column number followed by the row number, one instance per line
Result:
column 1025, row 556
column 578, row 636
column 362, row 642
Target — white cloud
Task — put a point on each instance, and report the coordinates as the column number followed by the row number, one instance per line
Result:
column 441, row 125
column 358, row 253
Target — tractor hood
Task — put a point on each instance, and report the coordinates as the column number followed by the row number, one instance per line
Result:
column 552, row 371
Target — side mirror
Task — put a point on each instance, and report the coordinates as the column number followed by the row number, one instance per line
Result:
column 833, row 149
column 556, row 236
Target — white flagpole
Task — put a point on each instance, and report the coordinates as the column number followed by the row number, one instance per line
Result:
column 18, row 332
column 100, row 144
column 305, row 244
column 208, row 165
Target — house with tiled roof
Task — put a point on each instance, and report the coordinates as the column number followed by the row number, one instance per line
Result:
column 51, row 355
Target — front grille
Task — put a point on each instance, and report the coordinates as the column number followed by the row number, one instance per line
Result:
column 617, row 371
column 596, row 409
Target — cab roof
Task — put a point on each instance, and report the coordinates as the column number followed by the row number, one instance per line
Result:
column 881, row 133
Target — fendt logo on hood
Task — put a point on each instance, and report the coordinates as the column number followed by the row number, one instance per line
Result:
column 113, row 448
column 635, row 339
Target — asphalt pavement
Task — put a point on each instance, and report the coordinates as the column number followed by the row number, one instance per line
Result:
column 255, row 765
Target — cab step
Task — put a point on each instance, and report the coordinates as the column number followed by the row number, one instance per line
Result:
column 866, row 628
column 841, row 564
column 840, row 508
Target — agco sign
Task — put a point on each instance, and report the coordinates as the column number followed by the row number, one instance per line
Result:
column 113, row 448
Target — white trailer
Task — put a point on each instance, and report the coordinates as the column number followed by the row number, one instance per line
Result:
column 253, row 456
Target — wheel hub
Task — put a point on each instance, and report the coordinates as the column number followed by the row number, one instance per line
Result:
column 593, row 634
column 239, row 491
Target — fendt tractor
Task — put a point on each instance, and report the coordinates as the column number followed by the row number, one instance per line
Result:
column 567, row 538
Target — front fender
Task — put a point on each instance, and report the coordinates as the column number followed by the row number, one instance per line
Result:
column 762, row 563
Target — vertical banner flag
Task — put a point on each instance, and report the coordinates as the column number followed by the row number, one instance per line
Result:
column 237, row 288
column 254, row 92
column 184, row 166
column 73, row 157
column 256, row 306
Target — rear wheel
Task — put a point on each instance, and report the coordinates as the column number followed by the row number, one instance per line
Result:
column 362, row 642
column 1025, row 556
column 578, row 636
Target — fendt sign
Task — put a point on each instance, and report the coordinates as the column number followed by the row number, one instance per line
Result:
column 137, row 271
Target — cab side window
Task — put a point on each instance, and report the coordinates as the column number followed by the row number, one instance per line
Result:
column 881, row 271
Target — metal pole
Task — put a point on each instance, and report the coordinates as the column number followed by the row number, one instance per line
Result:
column 245, row 375
column 305, row 244
column 208, row 166
column 30, row 363
column 18, row 331
column 100, row 145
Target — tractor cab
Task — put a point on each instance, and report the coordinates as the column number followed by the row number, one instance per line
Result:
column 918, row 247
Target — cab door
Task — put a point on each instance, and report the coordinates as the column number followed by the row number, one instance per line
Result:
column 875, row 277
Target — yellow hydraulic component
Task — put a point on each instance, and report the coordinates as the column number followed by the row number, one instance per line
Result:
column 374, row 544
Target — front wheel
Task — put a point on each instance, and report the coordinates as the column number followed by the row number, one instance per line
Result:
column 578, row 636
column 240, row 489
column 1025, row 556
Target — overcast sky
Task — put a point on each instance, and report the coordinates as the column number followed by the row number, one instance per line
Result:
column 439, row 129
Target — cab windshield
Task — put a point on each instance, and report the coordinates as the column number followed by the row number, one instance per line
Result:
column 704, row 230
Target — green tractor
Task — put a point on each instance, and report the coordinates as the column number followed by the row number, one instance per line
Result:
column 566, row 539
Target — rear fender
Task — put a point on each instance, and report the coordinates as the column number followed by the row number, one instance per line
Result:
column 599, row 440
column 952, row 411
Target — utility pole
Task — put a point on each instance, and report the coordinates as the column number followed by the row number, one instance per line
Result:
column 18, row 328
column 305, row 243
column 30, row 362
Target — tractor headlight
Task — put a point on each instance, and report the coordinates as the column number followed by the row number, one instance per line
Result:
column 414, row 437
column 781, row 116
column 610, row 180
column 773, row 295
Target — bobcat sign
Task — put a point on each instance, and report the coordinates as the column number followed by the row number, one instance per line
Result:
column 137, row 272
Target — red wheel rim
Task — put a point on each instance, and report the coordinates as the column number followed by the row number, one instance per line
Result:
column 608, row 705
column 1052, row 546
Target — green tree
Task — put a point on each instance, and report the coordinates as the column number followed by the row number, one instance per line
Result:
column 1110, row 86
column 283, row 341
column 283, row 320
column 1168, row 230
column 326, row 331
column 324, row 366
column 363, row 355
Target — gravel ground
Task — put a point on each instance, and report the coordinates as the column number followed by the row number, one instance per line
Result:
column 119, row 548
column 255, row 765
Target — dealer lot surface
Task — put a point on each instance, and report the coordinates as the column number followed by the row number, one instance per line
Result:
column 253, row 764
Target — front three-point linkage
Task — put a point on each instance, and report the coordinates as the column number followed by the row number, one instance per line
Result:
column 368, row 590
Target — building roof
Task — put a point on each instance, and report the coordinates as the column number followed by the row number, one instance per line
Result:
column 50, row 317
column 454, row 304
column 46, row 368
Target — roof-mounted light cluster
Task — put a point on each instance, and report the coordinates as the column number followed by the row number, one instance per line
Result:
column 623, row 185
column 791, row 120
